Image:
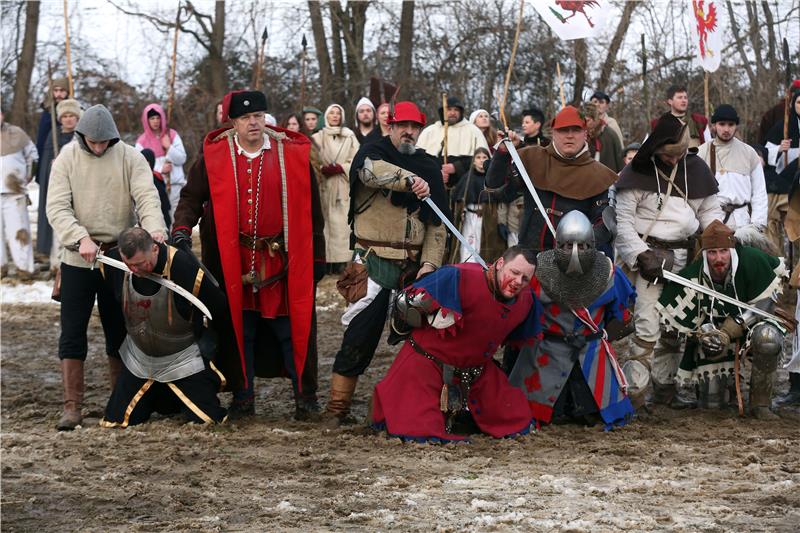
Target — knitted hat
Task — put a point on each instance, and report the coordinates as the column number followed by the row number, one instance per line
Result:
column 725, row 113
column 68, row 105
column 717, row 235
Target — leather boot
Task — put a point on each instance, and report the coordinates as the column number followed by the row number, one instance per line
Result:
column 72, row 376
column 792, row 397
column 663, row 393
column 114, row 370
column 685, row 398
column 338, row 408
column 761, row 383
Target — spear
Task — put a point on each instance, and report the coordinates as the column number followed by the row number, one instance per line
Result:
column 561, row 85
column 171, row 100
column 303, row 74
column 69, row 57
column 260, row 59
column 511, row 66
column 787, row 97
column 445, row 124
column 53, row 120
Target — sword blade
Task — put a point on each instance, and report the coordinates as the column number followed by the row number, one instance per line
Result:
column 455, row 232
column 524, row 173
column 171, row 285
column 680, row 280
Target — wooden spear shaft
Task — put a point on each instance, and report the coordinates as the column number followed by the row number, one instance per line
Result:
column 511, row 65
column 705, row 91
column 171, row 100
column 69, row 57
column 561, row 85
column 53, row 118
column 303, row 76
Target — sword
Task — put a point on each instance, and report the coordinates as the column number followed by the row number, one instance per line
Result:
column 680, row 280
column 528, row 184
column 171, row 285
column 457, row 234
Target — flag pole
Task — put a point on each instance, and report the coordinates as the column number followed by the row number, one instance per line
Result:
column 705, row 90
column 171, row 100
column 561, row 85
column 511, row 65
column 69, row 57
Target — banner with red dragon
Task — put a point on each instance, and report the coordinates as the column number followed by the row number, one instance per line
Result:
column 574, row 19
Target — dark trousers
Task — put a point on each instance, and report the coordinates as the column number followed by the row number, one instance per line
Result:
column 127, row 407
column 362, row 336
column 79, row 287
column 282, row 330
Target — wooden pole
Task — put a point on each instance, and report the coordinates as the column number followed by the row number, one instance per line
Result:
column 561, row 85
column 645, row 88
column 445, row 124
column 705, row 91
column 511, row 65
column 260, row 60
column 171, row 100
column 69, row 57
column 53, row 118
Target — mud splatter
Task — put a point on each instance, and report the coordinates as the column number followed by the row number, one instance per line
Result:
column 23, row 236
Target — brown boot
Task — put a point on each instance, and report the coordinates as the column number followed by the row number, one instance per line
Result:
column 114, row 370
column 342, row 389
column 72, row 376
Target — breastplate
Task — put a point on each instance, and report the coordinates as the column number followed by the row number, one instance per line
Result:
column 153, row 322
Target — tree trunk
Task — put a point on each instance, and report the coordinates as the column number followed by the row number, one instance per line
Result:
column 216, row 60
column 406, row 45
column 580, row 70
column 321, row 49
column 616, row 42
column 19, row 110
column 354, row 41
column 340, row 77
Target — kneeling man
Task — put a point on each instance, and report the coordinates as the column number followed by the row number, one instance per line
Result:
column 445, row 375
column 164, row 369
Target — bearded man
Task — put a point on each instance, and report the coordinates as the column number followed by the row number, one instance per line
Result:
column 252, row 192
column 444, row 379
column 742, row 191
column 572, row 373
column 662, row 198
column 463, row 138
column 396, row 236
column 717, row 329
column 366, row 122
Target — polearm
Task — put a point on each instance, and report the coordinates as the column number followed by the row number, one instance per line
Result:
column 445, row 124
column 511, row 66
column 561, row 85
column 303, row 74
column 53, row 119
column 260, row 60
column 69, row 56
column 787, row 97
column 171, row 100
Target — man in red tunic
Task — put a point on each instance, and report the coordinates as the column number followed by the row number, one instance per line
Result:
column 445, row 380
column 260, row 230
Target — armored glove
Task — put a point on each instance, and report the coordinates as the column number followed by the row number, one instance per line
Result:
column 182, row 238
column 649, row 265
column 715, row 342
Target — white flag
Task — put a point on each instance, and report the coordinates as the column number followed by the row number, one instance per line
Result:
column 574, row 19
column 707, row 33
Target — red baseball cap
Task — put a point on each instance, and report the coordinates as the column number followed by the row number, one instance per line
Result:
column 407, row 111
column 567, row 117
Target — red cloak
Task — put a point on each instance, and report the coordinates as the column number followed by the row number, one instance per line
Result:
column 219, row 152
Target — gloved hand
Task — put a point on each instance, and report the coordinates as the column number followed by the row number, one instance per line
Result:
column 332, row 170
column 714, row 344
column 502, row 231
column 182, row 238
column 732, row 329
column 319, row 271
column 649, row 265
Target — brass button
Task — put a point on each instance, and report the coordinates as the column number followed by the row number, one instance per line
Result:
column 250, row 201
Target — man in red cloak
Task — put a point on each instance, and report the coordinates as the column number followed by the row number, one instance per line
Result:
column 260, row 230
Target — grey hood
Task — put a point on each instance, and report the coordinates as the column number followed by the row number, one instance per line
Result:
column 98, row 125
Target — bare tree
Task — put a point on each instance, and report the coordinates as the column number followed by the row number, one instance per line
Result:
column 405, row 46
column 22, row 82
column 616, row 42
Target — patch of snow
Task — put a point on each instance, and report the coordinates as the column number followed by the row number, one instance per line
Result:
column 37, row 292
column 410, row 502
column 287, row 507
column 483, row 505
column 507, row 518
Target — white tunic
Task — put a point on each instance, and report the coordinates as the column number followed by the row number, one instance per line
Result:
column 741, row 181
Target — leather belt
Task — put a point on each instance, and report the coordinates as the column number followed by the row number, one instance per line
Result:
column 106, row 246
column 366, row 243
column 685, row 244
column 272, row 243
column 728, row 209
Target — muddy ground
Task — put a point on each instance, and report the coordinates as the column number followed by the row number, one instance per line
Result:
column 668, row 470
